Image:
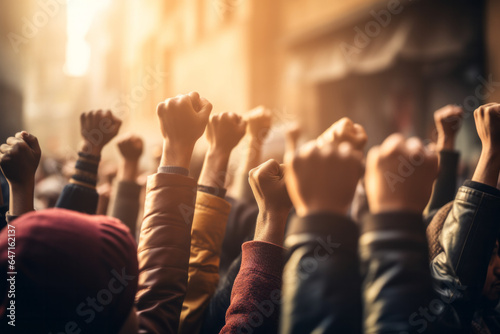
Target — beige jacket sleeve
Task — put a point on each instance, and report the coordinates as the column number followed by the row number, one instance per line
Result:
column 209, row 226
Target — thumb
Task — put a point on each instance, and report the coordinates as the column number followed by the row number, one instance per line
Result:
column 206, row 109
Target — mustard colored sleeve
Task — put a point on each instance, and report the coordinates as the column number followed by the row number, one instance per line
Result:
column 209, row 225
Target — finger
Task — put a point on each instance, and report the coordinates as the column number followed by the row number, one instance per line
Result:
column 4, row 148
column 13, row 141
column 195, row 101
column 206, row 109
column 32, row 141
column 393, row 143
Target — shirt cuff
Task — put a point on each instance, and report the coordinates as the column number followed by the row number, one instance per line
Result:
column 219, row 192
column 173, row 170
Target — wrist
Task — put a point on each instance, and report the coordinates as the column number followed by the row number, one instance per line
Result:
column 446, row 143
column 21, row 197
column 319, row 207
column 255, row 142
column 381, row 208
column 129, row 170
column 214, row 170
column 178, row 155
column 270, row 226
column 89, row 148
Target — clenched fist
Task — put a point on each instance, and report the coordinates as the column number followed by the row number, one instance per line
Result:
column 131, row 147
column 224, row 131
column 259, row 123
column 97, row 129
column 269, row 188
column 487, row 119
column 448, row 121
column 323, row 178
column 19, row 158
column 344, row 130
column 399, row 175
column 183, row 120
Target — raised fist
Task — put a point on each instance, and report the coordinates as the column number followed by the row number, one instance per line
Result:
column 448, row 121
column 269, row 188
column 399, row 175
column 183, row 119
column 488, row 126
column 19, row 158
column 344, row 130
column 131, row 147
column 323, row 178
column 97, row 129
column 224, row 131
column 259, row 123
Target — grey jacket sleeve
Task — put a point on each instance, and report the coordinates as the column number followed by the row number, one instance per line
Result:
column 126, row 204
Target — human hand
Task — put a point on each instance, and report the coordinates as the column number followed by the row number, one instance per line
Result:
column 448, row 121
column 97, row 129
column 183, row 120
column 224, row 132
column 399, row 175
column 268, row 185
column 19, row 159
column 487, row 119
column 131, row 147
column 323, row 177
column 259, row 122
column 344, row 130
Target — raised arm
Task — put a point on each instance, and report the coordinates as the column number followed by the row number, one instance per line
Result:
column 448, row 121
column 471, row 229
column 224, row 132
column 256, row 294
column 393, row 245
column 165, row 239
column 321, row 281
column 126, row 202
column 19, row 158
column 258, row 126
column 97, row 129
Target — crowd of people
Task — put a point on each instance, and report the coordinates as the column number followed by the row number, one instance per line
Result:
column 328, row 240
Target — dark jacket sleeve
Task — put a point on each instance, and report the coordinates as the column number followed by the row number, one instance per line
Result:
column 321, row 281
column 215, row 315
column 395, row 267
column 78, row 198
column 163, row 251
column 126, row 204
column 256, row 294
column 445, row 186
column 468, row 238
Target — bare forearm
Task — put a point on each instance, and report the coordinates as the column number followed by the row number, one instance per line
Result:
column 21, row 199
column 446, row 143
column 214, row 169
column 252, row 160
column 128, row 170
column 271, row 227
column 176, row 155
column 488, row 168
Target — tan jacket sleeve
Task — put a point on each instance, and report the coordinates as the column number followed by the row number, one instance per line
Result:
column 163, row 252
column 209, row 226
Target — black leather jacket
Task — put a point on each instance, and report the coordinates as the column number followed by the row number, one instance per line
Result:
column 468, row 239
column 326, row 284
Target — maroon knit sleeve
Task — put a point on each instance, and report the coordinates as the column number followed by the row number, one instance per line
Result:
column 256, row 294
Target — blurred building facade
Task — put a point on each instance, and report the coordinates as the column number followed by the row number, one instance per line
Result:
column 387, row 64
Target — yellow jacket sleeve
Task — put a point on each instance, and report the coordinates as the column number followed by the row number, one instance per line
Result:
column 209, row 225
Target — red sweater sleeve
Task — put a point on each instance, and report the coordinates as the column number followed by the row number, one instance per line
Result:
column 256, row 294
